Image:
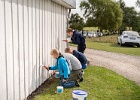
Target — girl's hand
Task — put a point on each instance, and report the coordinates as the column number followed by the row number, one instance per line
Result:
column 65, row 40
column 63, row 80
column 46, row 67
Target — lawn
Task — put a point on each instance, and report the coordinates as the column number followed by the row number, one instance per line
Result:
column 109, row 43
column 104, row 39
column 90, row 28
column 100, row 83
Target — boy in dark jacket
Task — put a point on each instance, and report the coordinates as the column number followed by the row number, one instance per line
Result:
column 77, row 38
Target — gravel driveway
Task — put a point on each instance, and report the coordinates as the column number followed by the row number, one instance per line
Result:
column 125, row 65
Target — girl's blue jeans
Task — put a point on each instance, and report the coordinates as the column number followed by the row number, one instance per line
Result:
column 67, row 84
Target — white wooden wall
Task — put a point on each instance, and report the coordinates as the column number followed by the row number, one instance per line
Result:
column 29, row 29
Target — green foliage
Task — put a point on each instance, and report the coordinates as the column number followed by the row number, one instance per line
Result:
column 138, row 3
column 91, row 29
column 100, row 83
column 122, row 4
column 90, row 22
column 76, row 22
column 131, row 18
column 105, row 14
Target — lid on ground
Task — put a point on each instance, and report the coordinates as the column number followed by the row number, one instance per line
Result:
column 79, row 92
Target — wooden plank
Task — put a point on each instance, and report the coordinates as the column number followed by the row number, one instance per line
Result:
column 16, row 50
column 30, row 70
column 9, row 46
column 37, row 43
column 26, row 43
column 49, row 36
column 34, row 46
column 45, row 73
column 57, row 27
column 60, row 30
column 21, row 49
column 44, row 39
column 53, row 28
column 64, row 26
column 53, row 25
column 3, row 83
column 41, row 40
column 63, row 43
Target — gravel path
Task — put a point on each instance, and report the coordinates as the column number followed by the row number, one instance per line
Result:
column 125, row 65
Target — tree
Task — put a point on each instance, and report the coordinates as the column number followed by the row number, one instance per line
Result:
column 122, row 4
column 90, row 22
column 138, row 3
column 106, row 14
column 76, row 22
column 130, row 18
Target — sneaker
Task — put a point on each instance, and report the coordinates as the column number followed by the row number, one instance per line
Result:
column 81, row 79
column 77, row 84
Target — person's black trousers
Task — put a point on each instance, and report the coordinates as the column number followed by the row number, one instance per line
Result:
column 81, row 48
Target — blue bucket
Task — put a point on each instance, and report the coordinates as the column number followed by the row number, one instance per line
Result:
column 57, row 75
column 79, row 95
column 59, row 89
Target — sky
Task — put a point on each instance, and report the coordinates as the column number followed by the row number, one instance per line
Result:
column 129, row 3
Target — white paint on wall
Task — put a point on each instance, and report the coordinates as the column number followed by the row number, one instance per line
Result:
column 3, row 67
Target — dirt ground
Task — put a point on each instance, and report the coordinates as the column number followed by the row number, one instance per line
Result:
column 41, row 88
column 125, row 65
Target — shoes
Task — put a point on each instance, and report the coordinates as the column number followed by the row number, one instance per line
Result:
column 81, row 79
column 77, row 84
column 81, row 76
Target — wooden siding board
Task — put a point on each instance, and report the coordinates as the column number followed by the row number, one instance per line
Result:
column 15, row 49
column 30, row 71
column 41, row 40
column 21, row 48
column 44, row 28
column 9, row 47
column 37, row 43
column 34, row 47
column 26, row 43
column 3, row 82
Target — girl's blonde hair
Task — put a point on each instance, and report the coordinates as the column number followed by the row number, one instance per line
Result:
column 54, row 51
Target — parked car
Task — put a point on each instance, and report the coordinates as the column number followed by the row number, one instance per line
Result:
column 95, row 34
column 100, row 34
column 129, row 38
column 90, row 34
column 84, row 33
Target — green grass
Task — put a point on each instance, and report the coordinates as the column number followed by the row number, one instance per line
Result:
column 90, row 28
column 109, row 43
column 104, row 39
column 100, row 83
column 112, row 47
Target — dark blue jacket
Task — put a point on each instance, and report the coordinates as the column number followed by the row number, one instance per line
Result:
column 77, row 38
column 80, row 56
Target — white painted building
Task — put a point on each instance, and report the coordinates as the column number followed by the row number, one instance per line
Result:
column 29, row 29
